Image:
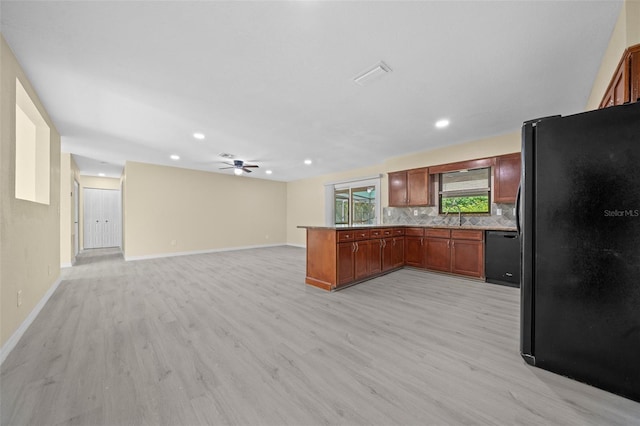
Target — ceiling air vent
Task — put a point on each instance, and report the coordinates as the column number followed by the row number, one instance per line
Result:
column 226, row 155
column 372, row 74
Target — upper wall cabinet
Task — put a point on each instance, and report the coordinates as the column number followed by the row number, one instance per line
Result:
column 506, row 178
column 625, row 84
column 409, row 188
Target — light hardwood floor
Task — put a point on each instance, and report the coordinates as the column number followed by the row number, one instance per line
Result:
column 238, row 338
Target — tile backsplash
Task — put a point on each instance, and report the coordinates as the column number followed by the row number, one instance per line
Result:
column 425, row 216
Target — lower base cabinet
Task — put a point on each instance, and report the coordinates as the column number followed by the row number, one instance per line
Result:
column 337, row 258
column 458, row 251
column 467, row 258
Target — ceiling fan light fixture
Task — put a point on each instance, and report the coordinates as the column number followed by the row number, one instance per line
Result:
column 372, row 74
column 237, row 172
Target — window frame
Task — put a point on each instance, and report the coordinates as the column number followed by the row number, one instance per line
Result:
column 331, row 187
column 484, row 191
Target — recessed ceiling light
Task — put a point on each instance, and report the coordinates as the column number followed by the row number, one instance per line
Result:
column 237, row 172
column 175, row 157
column 101, row 174
column 307, row 162
column 268, row 172
column 198, row 135
column 441, row 124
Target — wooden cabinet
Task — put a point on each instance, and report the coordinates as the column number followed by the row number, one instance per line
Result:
column 346, row 262
column 506, row 178
column 361, row 267
column 458, row 251
column 398, row 189
column 414, row 247
column 625, row 83
column 337, row 258
column 467, row 253
column 438, row 250
column 409, row 188
column 392, row 248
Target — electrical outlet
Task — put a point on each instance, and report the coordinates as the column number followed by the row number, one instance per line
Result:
column 514, row 211
column 388, row 212
column 499, row 212
column 173, row 242
column 266, row 237
column 415, row 212
column 19, row 298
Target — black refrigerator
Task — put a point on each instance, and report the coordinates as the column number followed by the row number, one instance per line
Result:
column 579, row 222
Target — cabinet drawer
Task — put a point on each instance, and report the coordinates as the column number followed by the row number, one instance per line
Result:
column 437, row 233
column 397, row 232
column 375, row 233
column 387, row 232
column 361, row 234
column 464, row 234
column 346, row 236
column 414, row 232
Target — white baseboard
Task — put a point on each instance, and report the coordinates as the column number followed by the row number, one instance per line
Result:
column 65, row 265
column 187, row 253
column 298, row 245
column 11, row 343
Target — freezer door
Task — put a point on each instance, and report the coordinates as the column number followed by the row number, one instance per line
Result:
column 585, row 251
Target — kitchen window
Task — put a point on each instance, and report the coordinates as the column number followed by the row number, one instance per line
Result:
column 353, row 202
column 465, row 191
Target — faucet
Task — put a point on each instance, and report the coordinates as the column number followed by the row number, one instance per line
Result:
column 459, row 213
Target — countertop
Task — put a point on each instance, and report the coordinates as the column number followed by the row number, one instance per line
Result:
column 347, row 227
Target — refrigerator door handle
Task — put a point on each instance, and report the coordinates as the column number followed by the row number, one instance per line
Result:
column 518, row 209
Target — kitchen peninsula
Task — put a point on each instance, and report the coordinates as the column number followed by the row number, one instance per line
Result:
column 339, row 256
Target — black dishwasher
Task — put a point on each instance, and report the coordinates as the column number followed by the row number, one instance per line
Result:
column 502, row 258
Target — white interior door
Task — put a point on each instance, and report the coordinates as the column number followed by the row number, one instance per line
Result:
column 76, row 219
column 102, row 218
column 111, row 234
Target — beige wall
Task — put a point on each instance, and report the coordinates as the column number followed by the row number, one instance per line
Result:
column 69, row 172
column 173, row 210
column 305, row 197
column 30, row 232
column 626, row 33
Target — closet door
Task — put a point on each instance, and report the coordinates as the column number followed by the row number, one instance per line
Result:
column 93, row 225
column 111, row 229
column 102, row 218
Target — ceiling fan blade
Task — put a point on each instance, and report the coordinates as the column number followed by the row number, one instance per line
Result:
column 251, row 165
column 224, row 168
column 246, row 170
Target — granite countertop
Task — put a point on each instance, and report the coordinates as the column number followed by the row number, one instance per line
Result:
column 389, row 225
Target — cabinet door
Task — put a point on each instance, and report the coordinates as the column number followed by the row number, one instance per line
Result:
column 387, row 254
column 375, row 256
column 467, row 258
column 361, row 259
column 398, row 252
column 438, row 254
column 345, row 254
column 414, row 251
column 398, row 189
column 418, row 187
column 506, row 178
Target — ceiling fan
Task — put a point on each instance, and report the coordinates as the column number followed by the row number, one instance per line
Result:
column 239, row 166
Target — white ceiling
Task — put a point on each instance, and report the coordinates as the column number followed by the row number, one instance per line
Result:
column 273, row 81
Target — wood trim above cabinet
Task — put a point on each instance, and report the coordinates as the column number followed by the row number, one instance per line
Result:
column 625, row 83
column 462, row 165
